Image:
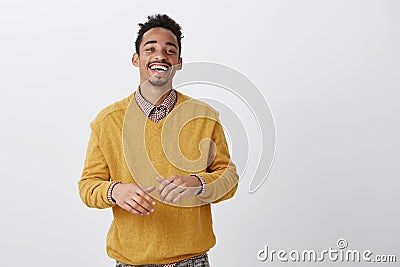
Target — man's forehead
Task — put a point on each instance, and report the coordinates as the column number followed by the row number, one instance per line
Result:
column 156, row 35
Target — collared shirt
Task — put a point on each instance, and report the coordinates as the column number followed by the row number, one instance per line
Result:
column 156, row 113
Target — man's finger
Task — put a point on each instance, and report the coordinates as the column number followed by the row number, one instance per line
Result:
column 143, row 205
column 159, row 179
column 149, row 189
column 131, row 209
column 174, row 193
column 163, row 182
column 179, row 196
column 144, row 193
column 166, row 187
column 140, row 205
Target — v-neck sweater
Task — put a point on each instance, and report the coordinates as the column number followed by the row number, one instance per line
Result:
column 178, row 144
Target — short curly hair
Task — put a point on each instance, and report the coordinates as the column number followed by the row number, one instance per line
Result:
column 162, row 21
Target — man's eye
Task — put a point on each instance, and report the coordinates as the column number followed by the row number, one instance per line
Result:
column 171, row 51
column 150, row 49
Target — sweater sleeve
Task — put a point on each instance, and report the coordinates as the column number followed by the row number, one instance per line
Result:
column 221, row 177
column 95, row 181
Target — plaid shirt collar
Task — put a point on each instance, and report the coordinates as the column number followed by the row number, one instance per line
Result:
column 147, row 107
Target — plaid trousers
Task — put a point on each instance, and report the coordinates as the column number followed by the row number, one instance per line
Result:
column 197, row 261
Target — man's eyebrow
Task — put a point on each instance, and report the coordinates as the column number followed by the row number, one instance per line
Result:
column 172, row 44
column 150, row 42
column 154, row 42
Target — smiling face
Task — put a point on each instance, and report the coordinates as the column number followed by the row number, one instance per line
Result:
column 158, row 57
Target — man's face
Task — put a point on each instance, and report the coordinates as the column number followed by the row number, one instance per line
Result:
column 159, row 57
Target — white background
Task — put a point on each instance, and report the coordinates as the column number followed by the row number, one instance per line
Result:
column 329, row 69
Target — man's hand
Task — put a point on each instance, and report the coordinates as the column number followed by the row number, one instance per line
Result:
column 176, row 187
column 134, row 198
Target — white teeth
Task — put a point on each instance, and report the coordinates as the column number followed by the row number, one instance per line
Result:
column 158, row 67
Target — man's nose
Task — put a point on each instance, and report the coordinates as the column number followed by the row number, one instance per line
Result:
column 160, row 56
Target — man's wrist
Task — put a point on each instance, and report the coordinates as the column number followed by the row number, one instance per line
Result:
column 203, row 184
column 109, row 192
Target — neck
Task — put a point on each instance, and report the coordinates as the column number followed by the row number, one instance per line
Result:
column 155, row 94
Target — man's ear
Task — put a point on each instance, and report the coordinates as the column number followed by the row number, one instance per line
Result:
column 135, row 59
column 179, row 65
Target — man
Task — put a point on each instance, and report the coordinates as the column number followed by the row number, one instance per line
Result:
column 159, row 159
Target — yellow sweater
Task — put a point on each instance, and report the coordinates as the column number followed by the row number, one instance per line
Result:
column 179, row 144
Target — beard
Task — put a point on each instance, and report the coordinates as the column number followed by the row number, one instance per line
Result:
column 161, row 79
column 158, row 81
